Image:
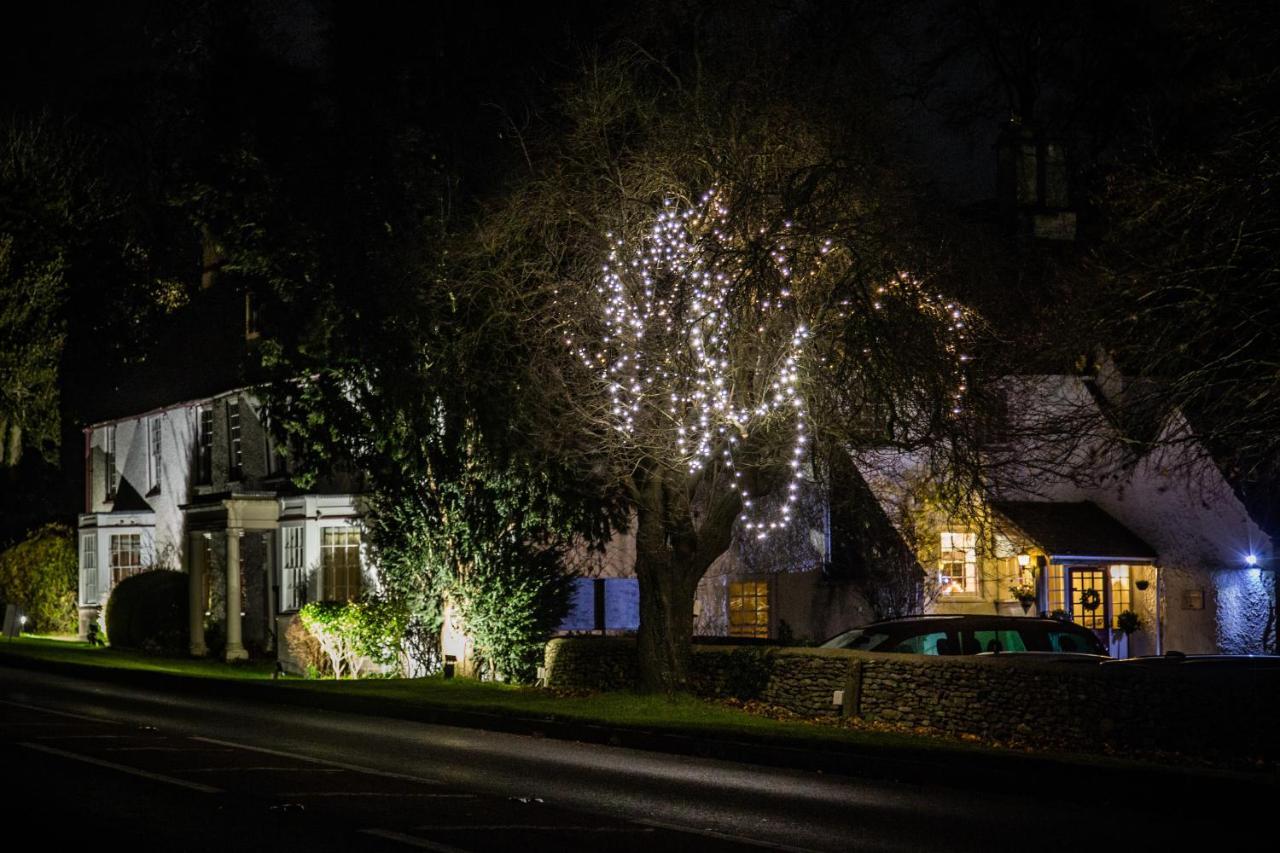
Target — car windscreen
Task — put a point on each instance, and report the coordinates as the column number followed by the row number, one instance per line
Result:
column 858, row 638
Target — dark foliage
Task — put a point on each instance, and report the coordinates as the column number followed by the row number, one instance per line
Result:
column 149, row 611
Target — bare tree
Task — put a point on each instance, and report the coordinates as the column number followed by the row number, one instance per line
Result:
column 720, row 274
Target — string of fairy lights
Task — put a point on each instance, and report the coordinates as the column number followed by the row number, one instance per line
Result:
column 665, row 355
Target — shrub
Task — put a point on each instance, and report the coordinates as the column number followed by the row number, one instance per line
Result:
column 353, row 634
column 511, row 604
column 305, row 650
column 39, row 575
column 149, row 611
column 747, row 673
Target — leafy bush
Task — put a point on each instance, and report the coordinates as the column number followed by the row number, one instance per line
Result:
column 39, row 575
column 747, row 673
column 149, row 611
column 305, row 650
column 353, row 634
column 511, row 604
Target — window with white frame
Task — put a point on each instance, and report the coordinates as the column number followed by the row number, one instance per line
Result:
column 89, row 568
column 958, row 564
column 154, row 433
column 340, row 563
column 235, row 448
column 293, row 577
column 110, row 478
column 126, row 556
column 204, row 447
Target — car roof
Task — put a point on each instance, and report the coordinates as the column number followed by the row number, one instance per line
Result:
column 972, row 620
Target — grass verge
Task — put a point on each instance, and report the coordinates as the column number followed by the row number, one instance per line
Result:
column 679, row 714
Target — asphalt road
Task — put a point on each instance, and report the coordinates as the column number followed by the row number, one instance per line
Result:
column 85, row 761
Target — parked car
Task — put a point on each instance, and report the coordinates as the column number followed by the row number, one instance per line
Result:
column 974, row 635
column 1201, row 663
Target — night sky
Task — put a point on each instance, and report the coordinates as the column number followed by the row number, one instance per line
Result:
column 320, row 88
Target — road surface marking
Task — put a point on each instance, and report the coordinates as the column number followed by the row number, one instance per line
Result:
column 59, row 713
column 377, row 794
column 156, row 777
column 152, row 749
column 85, row 737
column 259, row 769
column 723, row 836
column 355, row 768
column 502, row 828
column 412, row 841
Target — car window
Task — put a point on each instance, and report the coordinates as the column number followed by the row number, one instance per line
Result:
column 1008, row 640
column 1070, row 641
column 921, row 644
column 856, row 639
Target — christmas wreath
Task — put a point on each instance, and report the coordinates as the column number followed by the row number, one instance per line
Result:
column 1090, row 599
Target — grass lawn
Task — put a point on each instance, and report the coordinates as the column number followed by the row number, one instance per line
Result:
column 683, row 714
column 70, row 650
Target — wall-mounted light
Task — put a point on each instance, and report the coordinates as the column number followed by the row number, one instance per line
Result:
column 1251, row 559
column 1024, row 560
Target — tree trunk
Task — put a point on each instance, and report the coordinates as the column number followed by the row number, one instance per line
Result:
column 666, row 622
column 672, row 555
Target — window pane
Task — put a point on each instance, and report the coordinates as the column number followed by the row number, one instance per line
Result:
column 749, row 609
column 340, row 563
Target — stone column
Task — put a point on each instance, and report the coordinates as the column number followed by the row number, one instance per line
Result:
column 195, row 592
column 235, row 644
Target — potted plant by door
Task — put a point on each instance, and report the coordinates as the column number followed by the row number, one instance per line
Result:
column 1128, row 622
column 1025, row 591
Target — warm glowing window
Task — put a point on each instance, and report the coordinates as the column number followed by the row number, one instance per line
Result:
column 958, row 564
column 1057, row 587
column 1119, row 593
column 340, row 563
column 126, row 556
column 749, row 609
column 89, row 569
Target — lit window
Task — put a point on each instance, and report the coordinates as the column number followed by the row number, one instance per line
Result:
column 154, row 430
column 293, row 577
column 126, row 556
column 958, row 564
column 233, row 436
column 1119, row 593
column 112, row 478
column 340, row 563
column 1057, row 589
column 749, row 609
column 89, row 569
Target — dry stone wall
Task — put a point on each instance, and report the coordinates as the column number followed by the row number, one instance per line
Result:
column 1228, row 713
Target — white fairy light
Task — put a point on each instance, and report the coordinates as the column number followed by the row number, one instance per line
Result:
column 668, row 313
